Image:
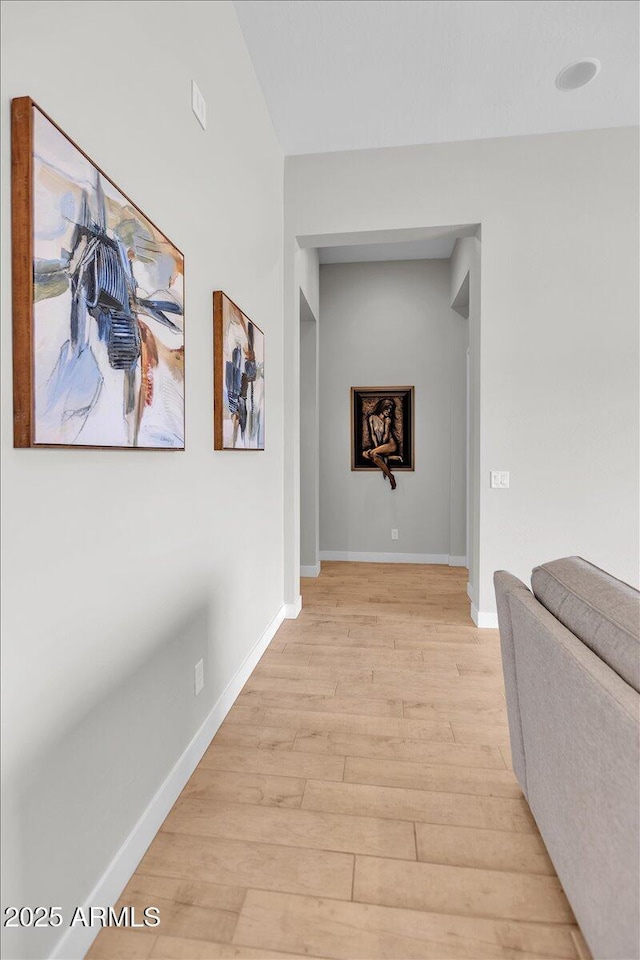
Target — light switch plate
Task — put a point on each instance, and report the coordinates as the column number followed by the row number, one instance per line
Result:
column 499, row 479
column 394, row 534
column 199, row 105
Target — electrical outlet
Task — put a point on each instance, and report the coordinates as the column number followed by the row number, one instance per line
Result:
column 198, row 105
column 198, row 677
column 499, row 479
column 394, row 534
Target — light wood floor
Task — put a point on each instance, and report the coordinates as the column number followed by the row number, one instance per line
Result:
column 358, row 801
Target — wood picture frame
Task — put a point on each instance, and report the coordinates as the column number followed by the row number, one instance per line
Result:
column 88, row 370
column 394, row 409
column 238, row 378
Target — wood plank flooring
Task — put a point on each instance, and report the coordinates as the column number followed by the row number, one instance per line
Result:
column 358, row 802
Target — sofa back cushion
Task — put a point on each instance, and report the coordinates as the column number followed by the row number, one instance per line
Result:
column 604, row 613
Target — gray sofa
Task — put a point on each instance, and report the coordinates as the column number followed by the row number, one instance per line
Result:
column 571, row 659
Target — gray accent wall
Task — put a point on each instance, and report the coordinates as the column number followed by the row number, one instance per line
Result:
column 390, row 324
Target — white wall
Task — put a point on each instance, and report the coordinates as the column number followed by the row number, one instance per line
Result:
column 308, row 301
column 465, row 293
column 300, row 276
column 121, row 569
column 309, row 451
column 559, row 363
column 308, row 277
column 458, row 436
column 385, row 324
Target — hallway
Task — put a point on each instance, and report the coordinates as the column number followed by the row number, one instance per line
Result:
column 357, row 801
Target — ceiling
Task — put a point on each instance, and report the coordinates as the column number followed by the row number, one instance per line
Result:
column 435, row 243
column 353, row 74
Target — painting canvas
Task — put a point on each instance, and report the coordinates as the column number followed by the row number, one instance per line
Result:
column 382, row 429
column 238, row 378
column 98, row 303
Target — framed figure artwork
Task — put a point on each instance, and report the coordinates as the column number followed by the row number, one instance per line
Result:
column 98, row 290
column 238, row 346
column 382, row 430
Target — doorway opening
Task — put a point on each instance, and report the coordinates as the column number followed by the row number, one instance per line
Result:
column 396, row 308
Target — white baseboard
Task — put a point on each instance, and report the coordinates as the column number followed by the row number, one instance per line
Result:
column 313, row 571
column 470, row 591
column 484, row 619
column 458, row 561
column 292, row 610
column 75, row 942
column 442, row 558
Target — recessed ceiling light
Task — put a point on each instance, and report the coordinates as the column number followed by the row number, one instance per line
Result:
column 578, row 74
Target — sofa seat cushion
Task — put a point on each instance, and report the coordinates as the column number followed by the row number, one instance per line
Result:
column 601, row 611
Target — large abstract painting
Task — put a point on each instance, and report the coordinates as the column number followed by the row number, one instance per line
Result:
column 382, row 430
column 97, row 303
column 238, row 378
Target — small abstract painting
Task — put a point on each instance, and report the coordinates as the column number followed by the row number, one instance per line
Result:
column 382, row 430
column 98, row 303
column 238, row 378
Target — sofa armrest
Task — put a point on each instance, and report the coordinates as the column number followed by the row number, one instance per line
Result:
column 580, row 728
column 506, row 585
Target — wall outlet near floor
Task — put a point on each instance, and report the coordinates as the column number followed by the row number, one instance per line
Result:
column 198, row 677
column 394, row 534
column 199, row 105
column 499, row 479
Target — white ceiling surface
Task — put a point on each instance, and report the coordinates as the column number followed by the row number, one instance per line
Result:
column 353, row 74
column 436, row 244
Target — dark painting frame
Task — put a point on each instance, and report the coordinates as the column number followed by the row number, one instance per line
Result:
column 364, row 401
